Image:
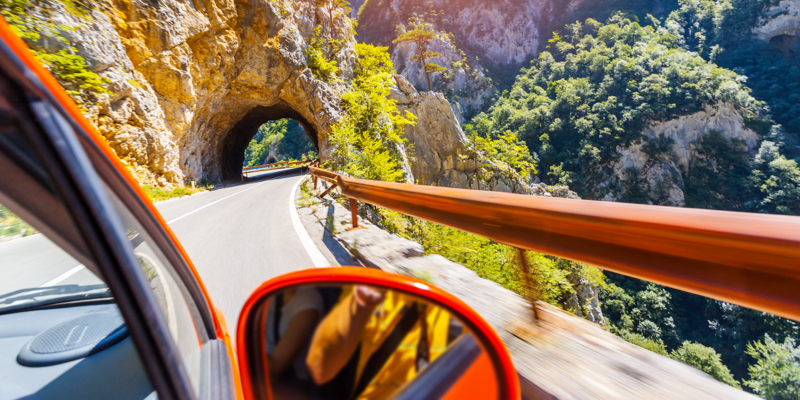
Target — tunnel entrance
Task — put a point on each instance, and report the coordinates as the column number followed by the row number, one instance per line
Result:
column 250, row 140
column 281, row 140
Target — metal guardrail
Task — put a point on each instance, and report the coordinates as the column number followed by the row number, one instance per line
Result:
column 277, row 165
column 748, row 259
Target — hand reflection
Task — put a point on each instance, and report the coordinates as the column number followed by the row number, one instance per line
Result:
column 368, row 296
column 369, row 342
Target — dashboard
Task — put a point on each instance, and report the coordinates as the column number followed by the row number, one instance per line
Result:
column 77, row 352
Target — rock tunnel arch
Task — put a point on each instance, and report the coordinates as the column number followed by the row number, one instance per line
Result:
column 232, row 147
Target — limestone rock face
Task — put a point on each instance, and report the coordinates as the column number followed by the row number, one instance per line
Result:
column 466, row 83
column 130, row 116
column 585, row 300
column 436, row 136
column 191, row 82
column 500, row 32
column 663, row 175
column 503, row 34
column 779, row 20
column 441, row 154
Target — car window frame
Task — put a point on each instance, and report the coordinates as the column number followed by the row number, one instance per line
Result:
column 154, row 228
column 55, row 137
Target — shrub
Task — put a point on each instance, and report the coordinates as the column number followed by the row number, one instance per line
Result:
column 656, row 346
column 776, row 373
column 705, row 359
column 156, row 193
column 71, row 71
column 316, row 59
column 11, row 225
column 69, row 68
column 368, row 141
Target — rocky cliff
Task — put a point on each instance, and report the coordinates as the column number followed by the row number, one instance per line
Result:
column 780, row 26
column 465, row 82
column 662, row 172
column 781, row 19
column 496, row 37
column 442, row 155
column 191, row 82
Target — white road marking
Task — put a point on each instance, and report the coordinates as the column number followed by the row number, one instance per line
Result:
column 311, row 248
column 215, row 202
column 63, row 276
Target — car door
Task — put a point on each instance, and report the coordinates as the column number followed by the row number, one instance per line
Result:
column 58, row 176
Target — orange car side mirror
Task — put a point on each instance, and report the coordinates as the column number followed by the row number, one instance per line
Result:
column 362, row 333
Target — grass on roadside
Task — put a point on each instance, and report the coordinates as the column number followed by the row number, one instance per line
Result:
column 158, row 194
column 307, row 196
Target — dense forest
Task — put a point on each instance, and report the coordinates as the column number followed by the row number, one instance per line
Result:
column 282, row 140
column 600, row 80
column 596, row 87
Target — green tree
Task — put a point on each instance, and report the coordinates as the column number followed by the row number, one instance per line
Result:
column 508, row 149
column 705, row 359
column 422, row 34
column 368, row 141
column 778, row 181
column 597, row 88
column 316, row 57
column 776, row 373
column 267, row 137
column 296, row 143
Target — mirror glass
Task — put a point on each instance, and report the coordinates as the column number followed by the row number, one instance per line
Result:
column 353, row 341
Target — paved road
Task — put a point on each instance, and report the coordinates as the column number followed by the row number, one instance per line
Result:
column 44, row 263
column 238, row 237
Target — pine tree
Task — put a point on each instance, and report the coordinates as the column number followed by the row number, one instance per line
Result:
column 422, row 34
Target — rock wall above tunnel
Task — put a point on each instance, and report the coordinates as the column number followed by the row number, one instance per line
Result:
column 190, row 79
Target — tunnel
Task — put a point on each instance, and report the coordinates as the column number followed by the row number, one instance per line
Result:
column 236, row 141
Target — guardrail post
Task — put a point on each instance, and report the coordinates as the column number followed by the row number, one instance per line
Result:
column 354, row 212
column 530, row 283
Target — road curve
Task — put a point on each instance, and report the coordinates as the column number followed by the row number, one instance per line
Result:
column 239, row 237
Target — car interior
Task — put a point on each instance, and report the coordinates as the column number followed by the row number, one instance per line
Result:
column 63, row 332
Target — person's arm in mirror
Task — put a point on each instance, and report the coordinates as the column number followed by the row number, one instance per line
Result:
column 291, row 324
column 339, row 333
column 292, row 341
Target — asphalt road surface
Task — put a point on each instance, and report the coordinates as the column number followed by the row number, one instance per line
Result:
column 239, row 237
column 44, row 264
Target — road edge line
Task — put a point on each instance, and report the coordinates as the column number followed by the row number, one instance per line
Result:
column 316, row 256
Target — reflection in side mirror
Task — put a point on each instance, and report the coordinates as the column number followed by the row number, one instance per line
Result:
column 364, row 341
